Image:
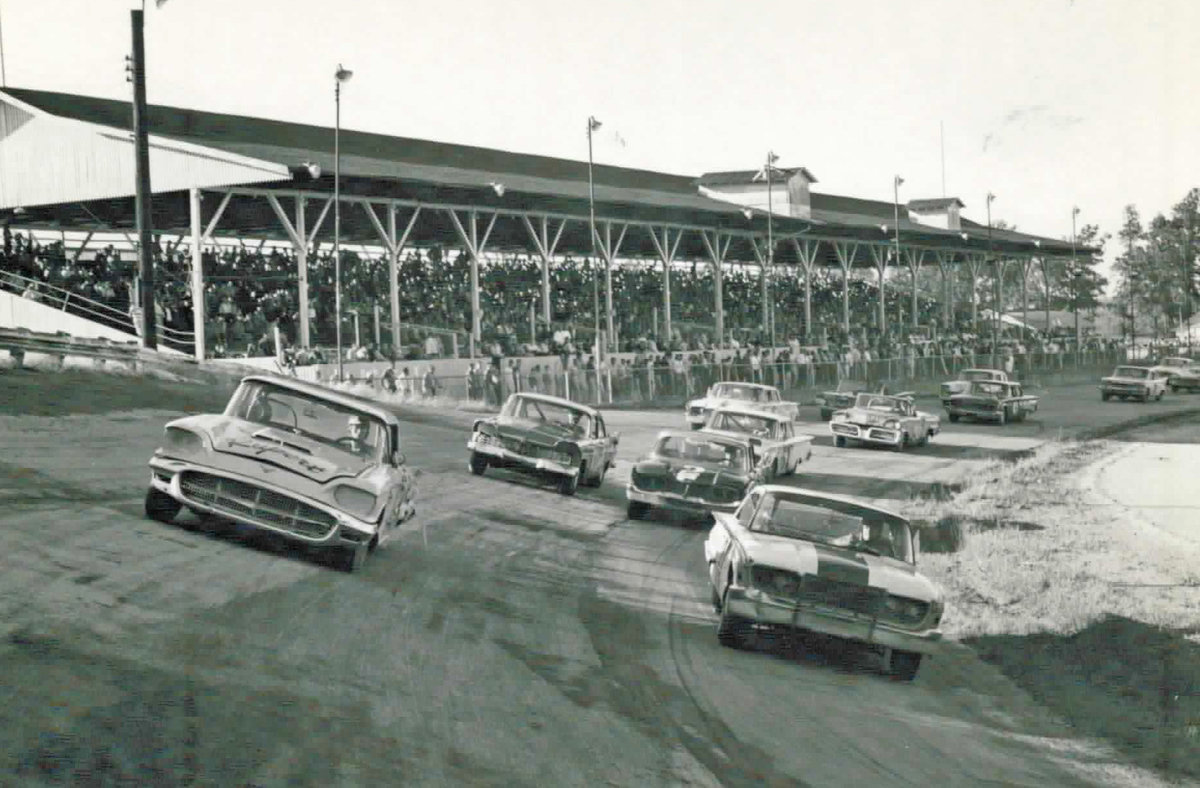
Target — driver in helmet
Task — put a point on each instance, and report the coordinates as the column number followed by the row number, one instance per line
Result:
column 356, row 436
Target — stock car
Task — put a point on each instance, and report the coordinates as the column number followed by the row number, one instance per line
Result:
column 538, row 433
column 796, row 559
column 884, row 420
column 1182, row 373
column 1134, row 382
column 781, row 448
column 964, row 380
column 757, row 395
column 843, row 396
column 992, row 400
column 694, row 472
column 318, row 467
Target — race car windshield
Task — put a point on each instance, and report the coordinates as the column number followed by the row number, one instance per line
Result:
column 294, row 413
column 878, row 403
column 988, row 388
column 1131, row 372
column 742, row 422
column 849, row 386
column 976, row 374
column 728, row 456
column 851, row 528
column 535, row 411
column 748, row 393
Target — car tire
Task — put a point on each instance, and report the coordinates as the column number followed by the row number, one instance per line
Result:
column 904, row 443
column 354, row 558
column 839, row 441
column 1174, row 389
column 732, row 630
column 716, row 600
column 953, row 418
column 569, row 484
column 902, row 665
column 478, row 463
column 1104, row 396
column 637, row 510
column 1160, row 396
column 826, row 413
column 1003, row 418
column 160, row 506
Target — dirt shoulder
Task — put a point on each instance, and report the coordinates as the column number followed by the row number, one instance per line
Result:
column 1091, row 607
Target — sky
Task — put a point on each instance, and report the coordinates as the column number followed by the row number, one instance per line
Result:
column 1048, row 104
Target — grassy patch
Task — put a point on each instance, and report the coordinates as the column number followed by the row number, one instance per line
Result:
column 1093, row 614
column 47, row 392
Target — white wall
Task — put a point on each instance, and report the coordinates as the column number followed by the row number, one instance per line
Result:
column 18, row 312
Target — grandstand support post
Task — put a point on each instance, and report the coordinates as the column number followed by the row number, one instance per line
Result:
column 394, row 245
column 945, row 261
column 666, row 251
column 475, row 246
column 879, row 254
column 545, row 248
column 974, row 262
column 1044, row 261
column 1026, row 264
column 718, row 247
column 610, row 252
column 141, row 142
column 199, row 310
column 998, row 266
column 845, row 255
column 302, row 272
column 806, row 253
column 915, row 259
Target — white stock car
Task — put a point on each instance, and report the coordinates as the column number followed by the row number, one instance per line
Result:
column 796, row 559
column 884, row 420
column 779, row 446
column 756, row 395
column 283, row 458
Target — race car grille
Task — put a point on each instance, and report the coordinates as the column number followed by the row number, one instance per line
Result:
column 880, row 434
column 256, row 505
column 903, row 611
column 1134, row 387
column 980, row 406
column 813, row 591
column 849, row 430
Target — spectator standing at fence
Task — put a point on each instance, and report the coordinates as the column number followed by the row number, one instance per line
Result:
column 474, row 382
column 514, row 368
column 432, row 384
column 495, row 382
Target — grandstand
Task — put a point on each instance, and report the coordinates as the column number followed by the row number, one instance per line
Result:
column 241, row 211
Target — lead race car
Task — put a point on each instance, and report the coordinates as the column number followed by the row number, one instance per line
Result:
column 756, row 395
column 537, row 433
column 321, row 468
column 694, row 473
column 779, row 446
column 797, row 559
column 884, row 420
column 966, row 377
column 1134, row 382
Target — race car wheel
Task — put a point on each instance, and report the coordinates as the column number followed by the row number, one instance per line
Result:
column 160, row 506
column 637, row 510
column 1174, row 389
column 904, row 442
column 478, row 463
column 731, row 630
column 902, row 665
column 953, row 418
column 1003, row 418
column 1160, row 396
column 839, row 441
column 825, row 414
column 716, row 600
column 353, row 558
column 569, row 484
column 1104, row 396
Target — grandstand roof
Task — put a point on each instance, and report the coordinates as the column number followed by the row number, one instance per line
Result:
column 433, row 172
column 747, row 177
column 935, row 204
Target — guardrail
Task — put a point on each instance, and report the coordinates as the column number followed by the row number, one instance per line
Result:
column 19, row 341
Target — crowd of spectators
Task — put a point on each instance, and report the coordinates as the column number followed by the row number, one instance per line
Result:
column 251, row 291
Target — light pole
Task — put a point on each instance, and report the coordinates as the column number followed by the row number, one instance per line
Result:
column 896, row 182
column 339, row 76
column 592, row 126
column 1075, row 277
column 768, row 291
column 996, row 271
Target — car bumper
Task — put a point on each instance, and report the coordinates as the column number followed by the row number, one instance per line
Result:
column 763, row 609
column 696, row 420
column 676, row 502
column 343, row 530
column 877, row 435
column 981, row 415
column 1125, row 391
column 513, row 459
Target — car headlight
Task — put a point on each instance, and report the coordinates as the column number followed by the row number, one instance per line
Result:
column 838, row 416
column 779, row 582
column 891, row 424
column 355, row 500
column 182, row 441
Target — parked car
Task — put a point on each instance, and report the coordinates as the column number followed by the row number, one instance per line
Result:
column 780, row 446
column 1134, row 382
column 992, row 400
column 796, row 559
column 964, row 380
column 884, row 420
column 318, row 467
column 548, row 435
column 727, row 392
column 693, row 472
column 843, row 396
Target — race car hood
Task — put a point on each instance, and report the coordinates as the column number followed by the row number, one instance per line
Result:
column 690, row 471
column 871, row 418
column 538, row 432
column 300, row 455
column 848, row 566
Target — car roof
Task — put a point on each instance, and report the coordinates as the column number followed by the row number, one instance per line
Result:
column 979, row 369
column 743, row 383
column 566, row 403
column 750, row 410
column 345, row 399
column 788, row 490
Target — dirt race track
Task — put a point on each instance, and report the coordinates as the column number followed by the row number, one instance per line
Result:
column 510, row 636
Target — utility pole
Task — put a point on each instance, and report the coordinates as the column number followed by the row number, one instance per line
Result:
column 141, row 143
